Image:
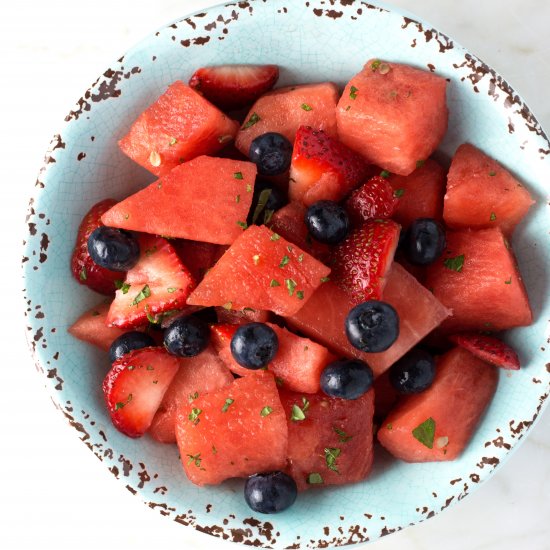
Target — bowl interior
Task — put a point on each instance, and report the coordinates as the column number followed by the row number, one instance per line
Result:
column 311, row 42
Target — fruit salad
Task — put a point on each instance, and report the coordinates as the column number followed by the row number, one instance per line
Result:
column 305, row 273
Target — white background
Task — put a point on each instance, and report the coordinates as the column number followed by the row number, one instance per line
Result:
column 53, row 492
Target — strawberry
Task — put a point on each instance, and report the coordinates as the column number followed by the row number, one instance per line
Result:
column 158, row 283
column 322, row 168
column 221, row 334
column 198, row 256
column 234, row 86
column 488, row 348
column 135, row 386
column 360, row 263
column 84, row 269
column 374, row 199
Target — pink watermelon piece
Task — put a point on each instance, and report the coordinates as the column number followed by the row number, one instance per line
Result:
column 420, row 193
column 481, row 193
column 235, row 431
column 478, row 279
column 323, row 318
column 286, row 109
column 333, row 443
column 196, row 375
column 437, row 424
column 261, row 270
column 179, row 126
column 394, row 115
column 206, row 199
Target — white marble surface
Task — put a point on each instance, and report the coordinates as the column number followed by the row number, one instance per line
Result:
column 54, row 493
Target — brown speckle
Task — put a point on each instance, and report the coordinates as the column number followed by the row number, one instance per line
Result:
column 81, row 156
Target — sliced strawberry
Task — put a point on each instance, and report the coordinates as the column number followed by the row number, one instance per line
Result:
column 322, row 168
column 197, row 256
column 135, row 386
column 234, row 86
column 374, row 199
column 85, row 271
column 220, row 335
column 488, row 348
column 158, row 283
column 360, row 263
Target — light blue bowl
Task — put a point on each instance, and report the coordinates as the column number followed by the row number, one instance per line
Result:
column 311, row 41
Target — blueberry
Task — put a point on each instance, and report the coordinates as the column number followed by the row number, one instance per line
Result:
column 372, row 326
column 327, row 222
column 113, row 248
column 271, row 152
column 128, row 342
column 270, row 493
column 424, row 241
column 187, row 336
column 266, row 199
column 346, row 378
column 413, row 373
column 254, row 345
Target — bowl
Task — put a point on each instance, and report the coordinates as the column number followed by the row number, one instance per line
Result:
column 311, row 41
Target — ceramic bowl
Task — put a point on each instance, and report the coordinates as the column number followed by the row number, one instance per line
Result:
column 311, row 41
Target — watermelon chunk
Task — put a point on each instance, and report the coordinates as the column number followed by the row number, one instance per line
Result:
column 286, row 109
column 158, row 283
column 333, row 444
column 198, row 256
column 196, row 375
column 261, row 270
column 178, row 127
column 206, row 199
column 297, row 365
column 323, row 318
column 393, row 114
column 481, row 193
column 478, row 278
column 420, row 194
column 462, row 390
column 235, row 431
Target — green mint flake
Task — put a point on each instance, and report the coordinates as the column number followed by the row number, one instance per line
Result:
column 389, row 426
column 130, row 367
column 297, row 414
column 284, row 261
column 83, row 274
column 348, row 107
column 126, row 216
column 492, row 217
column 121, row 285
column 242, row 225
column 314, row 479
column 237, row 199
column 492, row 173
column 279, row 381
column 159, row 185
column 420, row 163
column 342, row 435
column 325, row 279
column 193, row 396
column 398, row 193
column 331, row 454
column 195, row 459
column 172, row 141
column 268, row 214
column 274, row 283
column 455, row 264
column 353, row 92
column 122, row 404
column 266, row 411
column 305, row 404
column 248, row 188
column 289, row 248
column 306, row 107
column 425, row 433
column 150, row 251
column 275, row 237
column 300, row 294
column 228, row 403
column 227, row 305
column 254, row 119
column 301, row 258
column 152, row 320
column 262, row 201
column 375, row 64
column 291, row 286
column 145, row 292
column 238, row 175
column 214, row 450
column 171, row 289
column 508, row 282
column 384, row 174
column 194, row 415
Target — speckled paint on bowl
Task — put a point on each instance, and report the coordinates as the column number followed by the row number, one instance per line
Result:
column 312, row 41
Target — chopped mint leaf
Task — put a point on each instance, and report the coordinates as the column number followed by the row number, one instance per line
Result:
column 275, row 237
column 151, row 319
column 425, row 433
column 331, row 454
column 195, row 459
column 289, row 248
column 297, row 414
column 384, row 174
column 194, row 415
column 342, row 436
column 301, row 258
column 145, row 292
column 171, row 289
column 492, row 173
column 300, row 294
column 291, row 286
column 238, row 198
column 238, row 175
column 398, row 193
column 268, row 214
column 306, row 107
column 325, row 279
column 248, row 188
column 122, row 404
column 455, row 264
column 284, row 261
column 228, row 305
column 228, row 403
column 121, row 285
column 243, row 225
column 266, row 411
column 83, row 274
column 193, row 396
column 172, row 141
column 214, row 450
column 353, row 92
column 274, row 283
column 254, row 118
column 314, row 478
column 348, row 107
column 305, row 404
column 126, row 216
column 262, row 201
column 389, row 426
column 420, row 163
column 492, row 217
column 150, row 251
column 508, row 282
column 279, row 381
column 130, row 367
column 375, row 64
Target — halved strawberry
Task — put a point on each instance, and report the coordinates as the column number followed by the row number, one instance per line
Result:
column 84, row 269
column 135, row 386
column 374, row 199
column 322, row 168
column 234, row 86
column 488, row 348
column 158, row 283
column 360, row 263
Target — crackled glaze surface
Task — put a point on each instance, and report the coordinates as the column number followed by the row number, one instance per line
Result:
column 83, row 165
